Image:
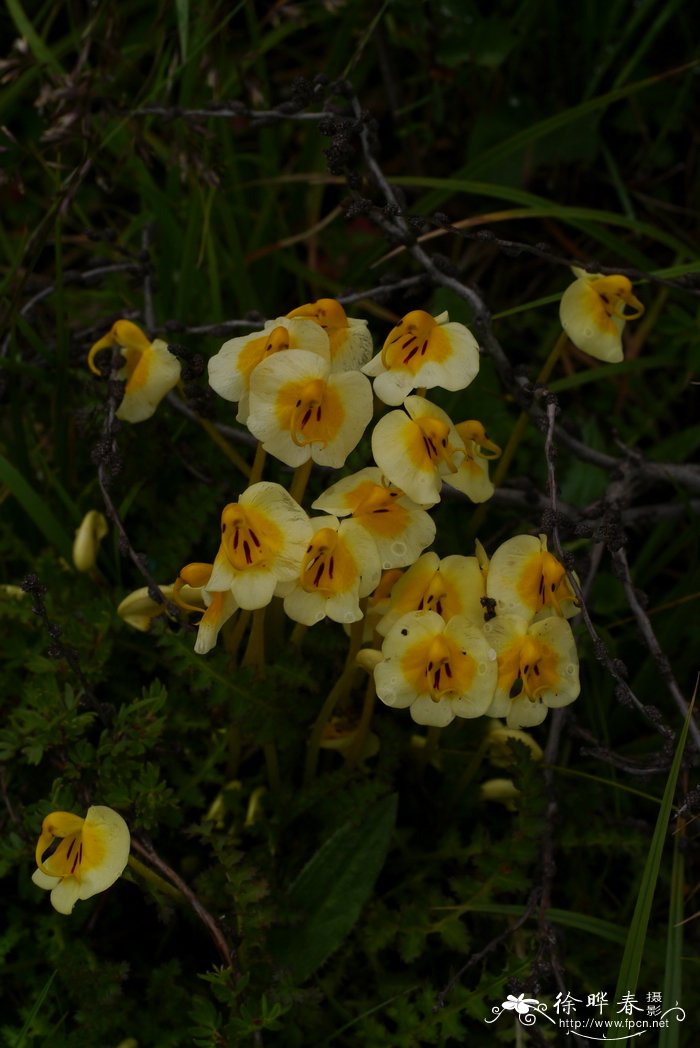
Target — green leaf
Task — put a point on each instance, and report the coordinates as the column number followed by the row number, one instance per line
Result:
column 634, row 947
column 36, row 508
column 36, row 1009
column 36, row 45
column 182, row 8
column 333, row 887
column 673, row 971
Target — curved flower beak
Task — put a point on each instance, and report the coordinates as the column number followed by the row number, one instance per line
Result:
column 150, row 369
column 473, row 430
column 217, row 607
column 505, row 792
column 349, row 340
column 129, row 337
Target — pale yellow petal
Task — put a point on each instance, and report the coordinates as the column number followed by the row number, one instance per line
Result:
column 587, row 324
column 65, row 895
column 398, row 450
column 156, row 373
column 106, row 842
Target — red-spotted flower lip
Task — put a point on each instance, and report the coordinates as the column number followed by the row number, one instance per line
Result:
column 78, row 857
column 300, row 409
column 537, row 668
column 263, row 538
column 439, row 670
column 593, row 312
column 339, row 567
column 423, row 351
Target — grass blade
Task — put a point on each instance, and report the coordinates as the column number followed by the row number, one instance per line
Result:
column 35, row 507
column 36, row 45
column 673, row 972
column 182, row 9
column 634, row 947
column 38, row 1004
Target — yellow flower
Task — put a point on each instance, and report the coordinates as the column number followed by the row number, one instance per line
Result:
column 451, row 586
column 423, row 351
column 525, row 579
column 440, row 671
column 264, row 537
column 417, row 448
column 231, row 368
column 218, row 607
column 400, row 528
column 341, row 565
column 91, row 855
column 150, row 369
column 299, row 410
column 537, row 668
column 87, row 540
column 592, row 313
column 349, row 340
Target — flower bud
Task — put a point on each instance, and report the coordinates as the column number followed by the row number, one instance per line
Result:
column 87, row 540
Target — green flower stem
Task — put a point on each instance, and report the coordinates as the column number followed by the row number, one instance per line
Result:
column 153, row 878
column 235, row 748
column 319, row 724
column 429, row 750
column 336, row 695
column 272, row 765
column 296, row 637
column 300, row 480
column 232, row 640
column 228, row 449
column 255, row 652
column 255, row 657
column 357, row 746
column 258, row 465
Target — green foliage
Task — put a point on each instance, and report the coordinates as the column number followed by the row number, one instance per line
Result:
column 325, row 900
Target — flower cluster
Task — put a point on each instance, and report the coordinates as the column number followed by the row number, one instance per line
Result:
column 302, row 388
column 442, row 659
column 458, row 636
